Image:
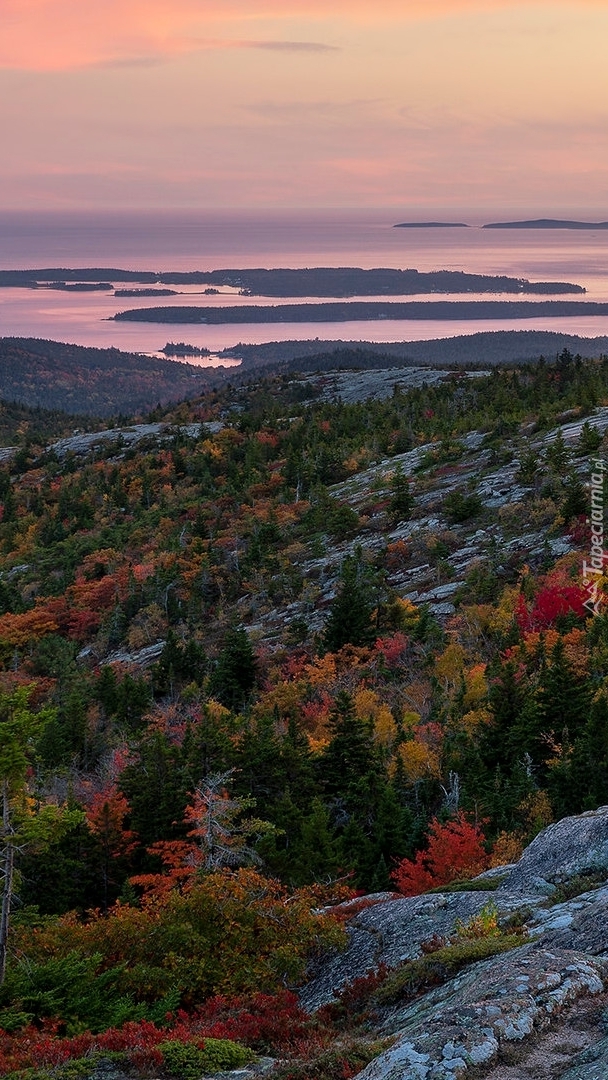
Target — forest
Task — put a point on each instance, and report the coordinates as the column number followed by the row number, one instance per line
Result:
column 230, row 711
column 99, row 382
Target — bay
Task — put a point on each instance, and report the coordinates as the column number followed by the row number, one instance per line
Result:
column 181, row 241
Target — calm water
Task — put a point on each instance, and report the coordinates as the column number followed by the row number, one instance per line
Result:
column 191, row 241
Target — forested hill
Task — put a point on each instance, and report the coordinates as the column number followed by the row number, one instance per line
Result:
column 278, row 650
column 483, row 349
column 108, row 382
column 98, row 382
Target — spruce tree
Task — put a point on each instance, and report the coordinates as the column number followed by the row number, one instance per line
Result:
column 234, row 676
column 350, row 617
column 402, row 500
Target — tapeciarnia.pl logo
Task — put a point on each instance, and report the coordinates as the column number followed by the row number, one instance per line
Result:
column 594, row 569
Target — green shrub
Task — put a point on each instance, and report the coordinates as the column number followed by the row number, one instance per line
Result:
column 461, row 506
column 582, row 883
column 73, row 988
column 436, row 968
column 484, row 885
column 217, row 1055
column 75, row 1069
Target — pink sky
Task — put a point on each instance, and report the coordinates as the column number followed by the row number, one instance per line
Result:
column 417, row 104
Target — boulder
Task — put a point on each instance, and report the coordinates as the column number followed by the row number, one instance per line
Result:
column 563, row 850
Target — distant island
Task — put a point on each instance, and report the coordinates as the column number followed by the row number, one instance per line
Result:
column 365, row 310
column 78, row 286
column 547, row 223
column 321, row 281
column 145, row 292
column 180, row 348
column 432, row 225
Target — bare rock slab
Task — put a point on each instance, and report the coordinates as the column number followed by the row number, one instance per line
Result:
column 580, row 924
column 389, row 933
column 465, row 1022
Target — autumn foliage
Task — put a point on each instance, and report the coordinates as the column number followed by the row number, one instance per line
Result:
column 455, row 850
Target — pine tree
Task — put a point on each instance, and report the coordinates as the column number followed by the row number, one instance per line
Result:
column 350, row 754
column 564, row 698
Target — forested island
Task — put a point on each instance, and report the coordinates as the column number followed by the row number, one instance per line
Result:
column 145, row 292
column 314, row 281
column 366, row 311
column 76, row 286
column 180, row 348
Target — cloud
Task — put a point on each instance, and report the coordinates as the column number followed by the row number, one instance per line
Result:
column 283, row 46
column 58, row 35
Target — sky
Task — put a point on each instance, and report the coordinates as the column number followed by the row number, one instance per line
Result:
column 424, row 105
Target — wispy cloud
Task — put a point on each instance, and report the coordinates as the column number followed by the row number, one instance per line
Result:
column 283, row 46
column 57, row 35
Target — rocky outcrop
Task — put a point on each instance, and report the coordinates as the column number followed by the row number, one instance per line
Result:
column 392, row 932
column 572, row 846
column 581, row 923
column 501, row 1017
column 497, row 1001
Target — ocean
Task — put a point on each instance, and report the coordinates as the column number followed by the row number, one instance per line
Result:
column 165, row 241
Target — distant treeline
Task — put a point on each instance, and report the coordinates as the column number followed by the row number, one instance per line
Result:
column 488, row 348
column 358, row 311
column 316, row 281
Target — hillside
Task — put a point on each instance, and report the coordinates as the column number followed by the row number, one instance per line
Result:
column 270, row 651
column 484, row 349
column 98, row 382
column 73, row 379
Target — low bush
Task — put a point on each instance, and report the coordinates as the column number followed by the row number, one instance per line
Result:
column 189, row 1061
column 341, row 1062
column 417, row 975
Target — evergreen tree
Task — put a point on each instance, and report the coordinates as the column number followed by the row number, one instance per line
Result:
column 235, row 673
column 588, row 779
column 350, row 754
column 350, row 617
column 576, row 498
column 156, row 786
column 564, row 698
column 402, row 500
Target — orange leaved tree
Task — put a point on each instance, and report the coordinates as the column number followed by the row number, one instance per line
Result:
column 455, row 850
